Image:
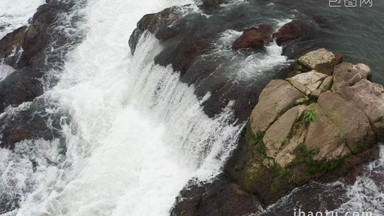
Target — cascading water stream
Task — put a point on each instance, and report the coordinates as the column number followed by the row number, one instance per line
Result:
column 135, row 133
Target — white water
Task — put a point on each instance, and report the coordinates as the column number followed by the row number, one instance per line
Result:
column 136, row 136
column 367, row 193
column 15, row 13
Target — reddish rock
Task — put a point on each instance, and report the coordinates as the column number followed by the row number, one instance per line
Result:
column 255, row 38
column 294, row 30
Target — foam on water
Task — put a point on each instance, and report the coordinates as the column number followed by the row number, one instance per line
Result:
column 15, row 13
column 136, row 135
column 367, row 193
column 5, row 71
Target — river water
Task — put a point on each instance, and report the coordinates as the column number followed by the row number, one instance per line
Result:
column 133, row 134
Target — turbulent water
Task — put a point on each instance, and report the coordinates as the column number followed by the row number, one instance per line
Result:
column 136, row 135
column 132, row 134
column 15, row 13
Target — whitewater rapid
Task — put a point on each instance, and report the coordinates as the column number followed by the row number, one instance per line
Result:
column 134, row 134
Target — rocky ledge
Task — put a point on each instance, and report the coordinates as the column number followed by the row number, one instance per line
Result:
column 34, row 51
column 322, row 123
column 319, row 124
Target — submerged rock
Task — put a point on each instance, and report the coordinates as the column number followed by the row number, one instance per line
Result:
column 254, row 38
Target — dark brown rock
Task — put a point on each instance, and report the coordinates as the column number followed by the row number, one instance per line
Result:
column 43, row 47
column 218, row 198
column 254, row 38
column 213, row 3
column 29, row 124
column 12, row 41
column 297, row 29
column 158, row 24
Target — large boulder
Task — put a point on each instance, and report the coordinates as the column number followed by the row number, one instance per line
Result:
column 295, row 30
column 290, row 141
column 310, row 82
column 254, row 38
column 220, row 197
column 275, row 99
column 159, row 24
column 278, row 132
column 347, row 74
column 38, row 49
column 342, row 128
column 321, row 60
column 369, row 97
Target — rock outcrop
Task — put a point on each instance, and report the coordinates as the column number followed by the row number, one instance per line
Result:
column 295, row 30
column 159, row 24
column 11, row 42
column 33, row 51
column 218, row 198
column 254, row 38
column 321, row 60
column 309, row 126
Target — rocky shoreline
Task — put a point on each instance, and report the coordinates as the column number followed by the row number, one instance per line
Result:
column 316, row 120
column 322, row 123
column 308, row 127
column 34, row 51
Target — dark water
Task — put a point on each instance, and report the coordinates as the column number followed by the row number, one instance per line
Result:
column 357, row 33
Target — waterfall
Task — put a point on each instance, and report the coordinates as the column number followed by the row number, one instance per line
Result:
column 133, row 135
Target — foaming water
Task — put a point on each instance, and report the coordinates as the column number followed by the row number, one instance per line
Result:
column 15, row 13
column 136, row 134
column 367, row 193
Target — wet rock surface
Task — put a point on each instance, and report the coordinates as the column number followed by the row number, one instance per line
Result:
column 255, row 38
column 295, row 136
column 37, row 52
column 288, row 147
column 265, row 165
column 295, row 30
column 34, row 51
column 217, row 198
